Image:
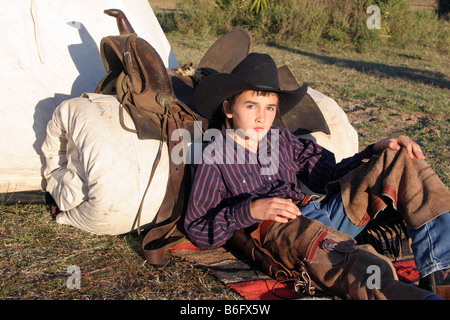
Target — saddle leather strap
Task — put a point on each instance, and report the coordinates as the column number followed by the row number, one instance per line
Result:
column 155, row 165
column 164, row 233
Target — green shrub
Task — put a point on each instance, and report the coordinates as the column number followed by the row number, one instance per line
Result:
column 327, row 22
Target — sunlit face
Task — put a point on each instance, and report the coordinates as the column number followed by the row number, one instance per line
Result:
column 253, row 113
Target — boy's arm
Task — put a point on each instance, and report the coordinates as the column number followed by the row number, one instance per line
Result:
column 396, row 143
column 317, row 165
column 210, row 219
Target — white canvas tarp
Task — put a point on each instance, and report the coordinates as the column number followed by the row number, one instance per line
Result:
column 50, row 53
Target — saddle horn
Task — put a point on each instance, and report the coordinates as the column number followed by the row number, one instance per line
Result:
column 122, row 21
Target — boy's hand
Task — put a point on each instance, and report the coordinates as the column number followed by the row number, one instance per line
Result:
column 276, row 209
column 396, row 143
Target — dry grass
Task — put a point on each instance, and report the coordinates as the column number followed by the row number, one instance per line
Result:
column 36, row 254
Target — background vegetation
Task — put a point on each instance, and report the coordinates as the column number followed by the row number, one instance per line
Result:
column 386, row 85
column 327, row 23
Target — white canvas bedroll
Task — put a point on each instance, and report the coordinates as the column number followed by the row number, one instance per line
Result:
column 97, row 172
column 50, row 53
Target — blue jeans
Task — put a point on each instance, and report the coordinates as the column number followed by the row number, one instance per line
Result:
column 430, row 243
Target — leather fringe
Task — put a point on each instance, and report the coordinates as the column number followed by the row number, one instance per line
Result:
column 387, row 234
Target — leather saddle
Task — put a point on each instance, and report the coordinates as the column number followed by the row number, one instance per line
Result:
column 139, row 78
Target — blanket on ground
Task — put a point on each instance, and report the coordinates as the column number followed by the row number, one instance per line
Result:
column 236, row 271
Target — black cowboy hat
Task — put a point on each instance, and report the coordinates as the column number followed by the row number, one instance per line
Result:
column 256, row 72
column 306, row 117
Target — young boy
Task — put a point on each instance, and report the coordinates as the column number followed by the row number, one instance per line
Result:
column 256, row 180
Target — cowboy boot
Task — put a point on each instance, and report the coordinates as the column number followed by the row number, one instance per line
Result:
column 335, row 263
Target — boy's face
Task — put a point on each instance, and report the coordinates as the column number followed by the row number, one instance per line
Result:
column 253, row 113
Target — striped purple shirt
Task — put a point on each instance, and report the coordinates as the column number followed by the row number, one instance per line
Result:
column 230, row 177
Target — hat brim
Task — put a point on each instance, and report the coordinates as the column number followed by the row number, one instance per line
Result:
column 305, row 117
column 216, row 88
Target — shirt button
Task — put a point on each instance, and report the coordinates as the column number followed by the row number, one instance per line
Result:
column 270, row 178
column 243, row 181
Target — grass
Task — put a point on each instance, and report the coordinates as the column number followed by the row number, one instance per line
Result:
column 340, row 23
column 36, row 254
column 385, row 92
